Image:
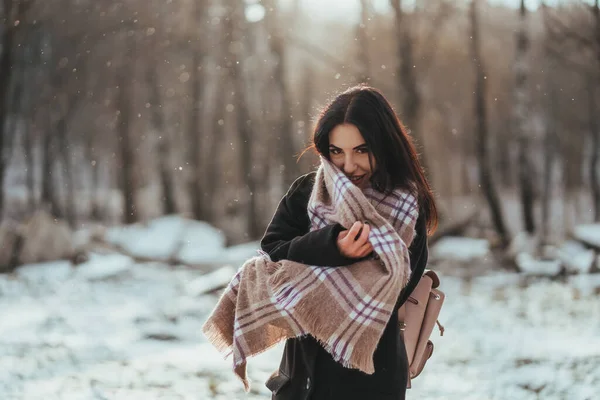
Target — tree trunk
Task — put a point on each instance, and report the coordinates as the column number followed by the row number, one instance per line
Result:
column 218, row 136
column 233, row 25
column 28, row 146
column 92, row 157
column 408, row 80
column 593, row 115
column 485, row 175
column 503, row 158
column 550, row 136
column 49, row 198
column 285, row 126
column 595, row 142
column 194, row 126
column 521, row 115
column 549, row 159
column 7, row 32
column 195, row 154
column 307, row 110
column 164, row 147
column 63, row 143
column 363, row 43
column 125, row 98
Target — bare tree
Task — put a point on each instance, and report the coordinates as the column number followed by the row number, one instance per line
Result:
column 127, row 178
column 578, row 35
column 594, row 79
column 550, row 109
column 233, row 26
column 223, row 88
column 164, row 141
column 13, row 17
column 363, row 42
column 284, row 128
column 407, row 79
column 407, row 75
column 485, row 174
column 195, row 122
column 520, row 123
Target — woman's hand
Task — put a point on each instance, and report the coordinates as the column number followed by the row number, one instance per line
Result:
column 352, row 246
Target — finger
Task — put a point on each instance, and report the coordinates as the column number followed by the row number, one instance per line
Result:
column 355, row 229
column 364, row 236
column 365, row 250
column 362, row 249
column 343, row 234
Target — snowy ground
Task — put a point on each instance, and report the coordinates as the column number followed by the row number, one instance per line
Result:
column 112, row 329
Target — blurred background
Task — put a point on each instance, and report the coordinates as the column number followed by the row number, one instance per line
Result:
column 146, row 144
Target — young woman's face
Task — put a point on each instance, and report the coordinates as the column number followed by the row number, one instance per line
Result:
column 349, row 152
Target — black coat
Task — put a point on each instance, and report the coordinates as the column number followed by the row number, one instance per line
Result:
column 307, row 371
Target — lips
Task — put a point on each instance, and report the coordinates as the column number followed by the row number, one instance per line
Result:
column 356, row 179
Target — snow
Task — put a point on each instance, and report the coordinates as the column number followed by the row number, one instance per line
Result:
column 589, row 234
column 575, row 257
column 211, row 281
column 531, row 266
column 115, row 329
column 176, row 239
column 157, row 240
column 202, row 244
column 103, row 267
column 461, row 249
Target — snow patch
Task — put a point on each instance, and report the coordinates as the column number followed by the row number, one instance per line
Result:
column 106, row 266
column 589, row 234
column 530, row 265
column 461, row 248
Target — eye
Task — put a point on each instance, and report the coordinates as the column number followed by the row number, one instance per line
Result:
column 333, row 150
column 362, row 150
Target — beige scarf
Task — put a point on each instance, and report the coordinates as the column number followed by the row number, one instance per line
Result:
column 345, row 308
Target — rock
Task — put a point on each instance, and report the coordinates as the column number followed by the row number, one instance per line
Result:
column 9, row 237
column 45, row 239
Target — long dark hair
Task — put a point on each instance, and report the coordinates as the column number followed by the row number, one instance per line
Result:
column 397, row 163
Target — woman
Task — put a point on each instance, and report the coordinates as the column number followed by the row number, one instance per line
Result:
column 362, row 136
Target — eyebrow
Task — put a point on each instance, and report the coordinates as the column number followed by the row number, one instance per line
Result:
column 356, row 148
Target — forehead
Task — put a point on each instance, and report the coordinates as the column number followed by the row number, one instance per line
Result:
column 345, row 136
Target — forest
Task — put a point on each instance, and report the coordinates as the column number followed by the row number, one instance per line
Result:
column 145, row 145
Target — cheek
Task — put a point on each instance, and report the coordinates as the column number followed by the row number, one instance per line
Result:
column 365, row 164
column 337, row 160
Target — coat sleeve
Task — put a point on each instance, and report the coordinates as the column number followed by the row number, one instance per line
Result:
column 288, row 235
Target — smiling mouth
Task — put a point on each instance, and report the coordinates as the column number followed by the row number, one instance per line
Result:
column 356, row 179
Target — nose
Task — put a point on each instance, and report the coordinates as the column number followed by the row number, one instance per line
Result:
column 349, row 164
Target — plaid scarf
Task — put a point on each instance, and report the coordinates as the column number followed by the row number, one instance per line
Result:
column 345, row 308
